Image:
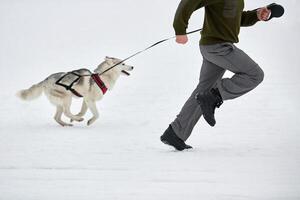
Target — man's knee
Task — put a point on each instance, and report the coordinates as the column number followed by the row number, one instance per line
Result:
column 258, row 76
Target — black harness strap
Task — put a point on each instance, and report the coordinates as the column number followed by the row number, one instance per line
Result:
column 69, row 87
column 75, row 93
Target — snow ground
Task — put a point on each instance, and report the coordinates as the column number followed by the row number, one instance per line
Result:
column 252, row 153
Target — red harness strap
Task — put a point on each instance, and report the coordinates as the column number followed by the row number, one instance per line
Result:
column 99, row 82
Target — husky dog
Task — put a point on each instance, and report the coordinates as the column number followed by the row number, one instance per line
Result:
column 85, row 86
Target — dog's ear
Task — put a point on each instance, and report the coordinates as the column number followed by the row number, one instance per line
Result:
column 108, row 58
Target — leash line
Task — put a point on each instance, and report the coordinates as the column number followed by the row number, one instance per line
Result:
column 153, row 45
column 98, row 80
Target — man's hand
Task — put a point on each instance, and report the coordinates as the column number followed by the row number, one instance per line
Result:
column 263, row 14
column 181, row 39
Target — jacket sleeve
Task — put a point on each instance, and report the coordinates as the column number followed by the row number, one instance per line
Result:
column 249, row 18
column 184, row 12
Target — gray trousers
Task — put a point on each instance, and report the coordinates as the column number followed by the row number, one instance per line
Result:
column 217, row 59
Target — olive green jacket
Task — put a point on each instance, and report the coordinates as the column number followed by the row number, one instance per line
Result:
column 222, row 21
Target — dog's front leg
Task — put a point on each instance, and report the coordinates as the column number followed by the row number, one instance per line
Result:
column 82, row 111
column 92, row 106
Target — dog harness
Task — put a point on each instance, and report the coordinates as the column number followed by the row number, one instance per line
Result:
column 95, row 77
column 99, row 82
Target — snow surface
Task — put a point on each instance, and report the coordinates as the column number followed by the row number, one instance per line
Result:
column 252, row 154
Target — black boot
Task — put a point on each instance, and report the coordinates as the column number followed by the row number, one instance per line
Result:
column 170, row 138
column 208, row 102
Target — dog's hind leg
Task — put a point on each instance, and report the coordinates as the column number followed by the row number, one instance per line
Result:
column 67, row 111
column 93, row 108
column 58, row 114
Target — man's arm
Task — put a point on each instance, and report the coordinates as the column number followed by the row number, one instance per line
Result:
column 250, row 18
column 183, row 13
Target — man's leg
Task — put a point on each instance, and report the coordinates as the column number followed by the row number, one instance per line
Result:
column 247, row 73
column 191, row 111
column 247, row 76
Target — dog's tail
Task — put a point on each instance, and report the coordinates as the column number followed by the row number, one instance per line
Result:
column 32, row 93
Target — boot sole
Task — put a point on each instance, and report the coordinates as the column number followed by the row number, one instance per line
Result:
column 178, row 149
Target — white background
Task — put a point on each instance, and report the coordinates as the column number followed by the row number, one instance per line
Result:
column 252, row 153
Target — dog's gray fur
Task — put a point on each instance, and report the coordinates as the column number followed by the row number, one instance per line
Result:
column 91, row 93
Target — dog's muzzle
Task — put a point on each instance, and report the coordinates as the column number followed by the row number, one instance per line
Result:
column 126, row 73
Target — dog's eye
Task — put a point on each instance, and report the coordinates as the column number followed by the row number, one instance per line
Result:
column 123, row 64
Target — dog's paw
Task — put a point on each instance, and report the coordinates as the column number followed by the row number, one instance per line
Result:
column 90, row 122
column 77, row 120
column 65, row 124
column 80, row 120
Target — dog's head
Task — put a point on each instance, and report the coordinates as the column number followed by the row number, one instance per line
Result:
column 120, row 68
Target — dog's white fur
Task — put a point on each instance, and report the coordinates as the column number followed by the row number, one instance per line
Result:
column 90, row 91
